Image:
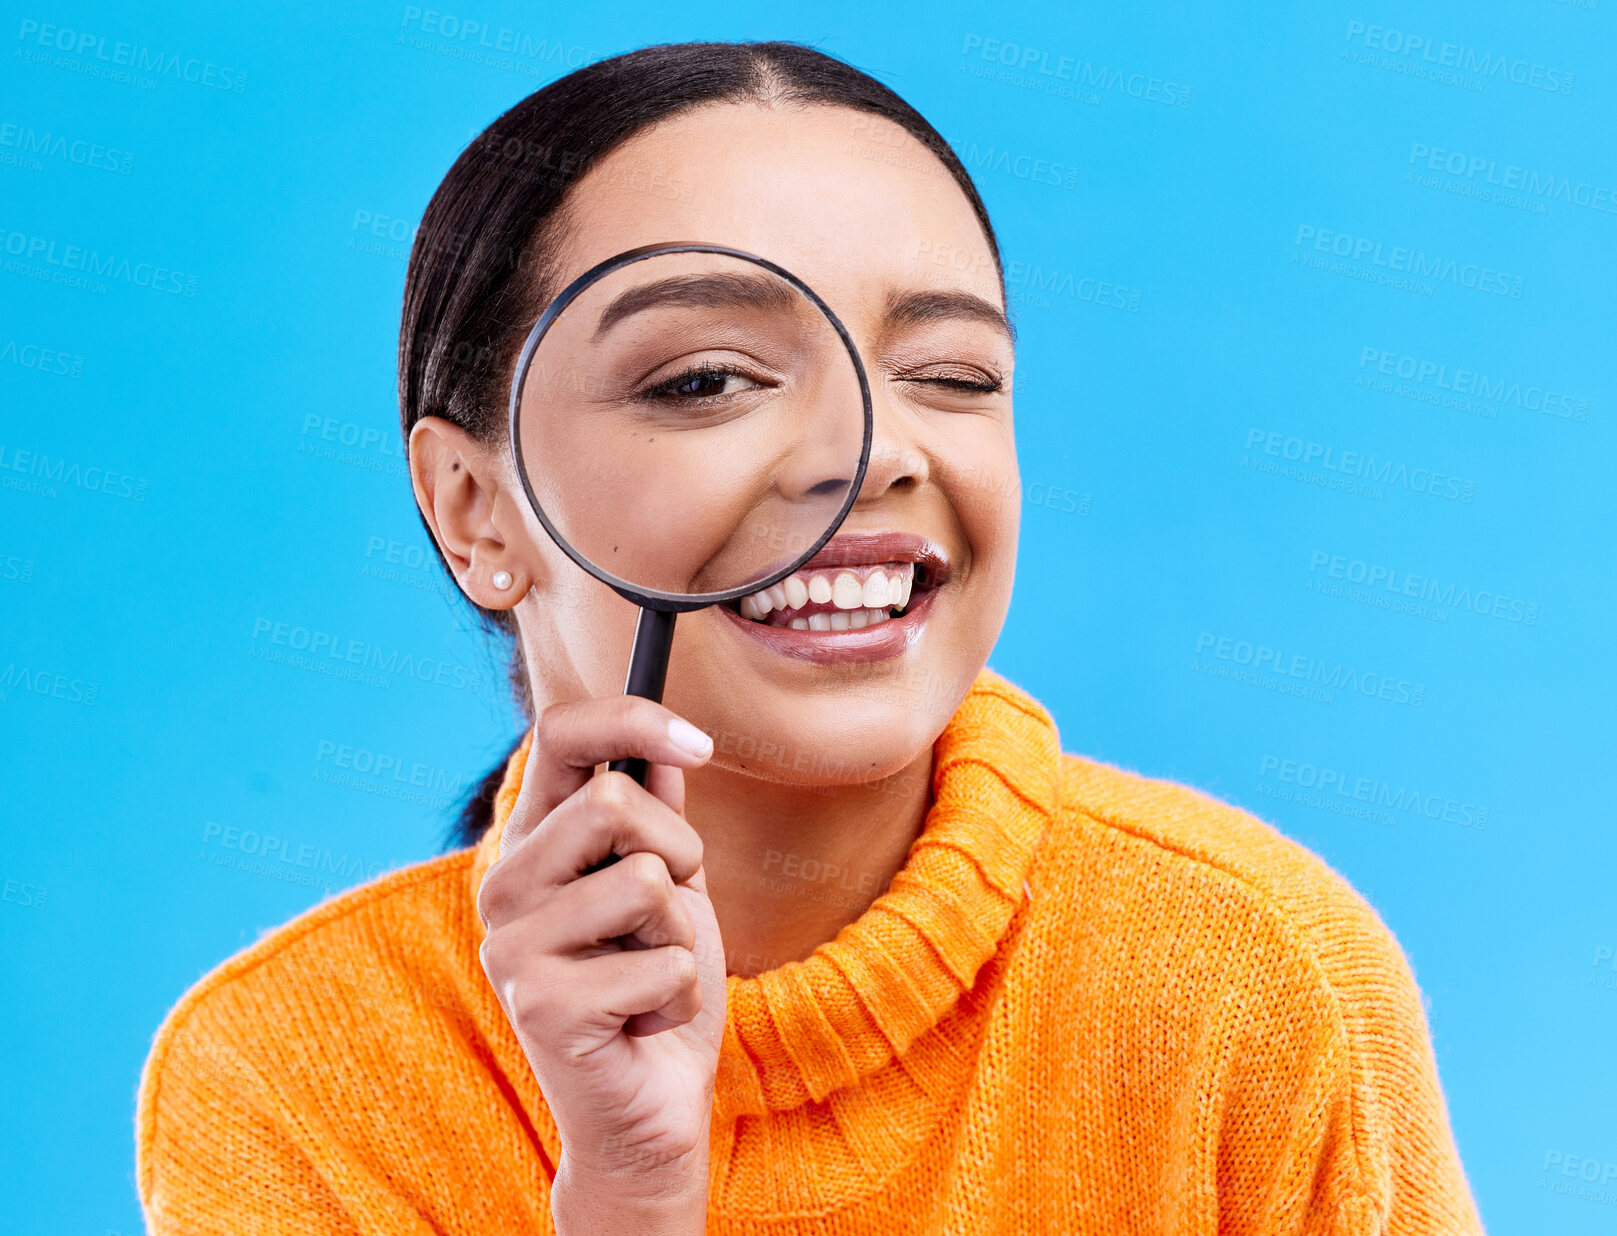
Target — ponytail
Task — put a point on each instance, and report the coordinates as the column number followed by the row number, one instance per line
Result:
column 477, row 809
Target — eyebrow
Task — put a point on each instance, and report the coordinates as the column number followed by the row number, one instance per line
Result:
column 735, row 290
column 918, row 308
column 707, row 291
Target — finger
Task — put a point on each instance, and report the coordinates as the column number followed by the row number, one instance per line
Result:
column 668, row 784
column 629, row 984
column 635, row 898
column 553, row 998
column 609, row 815
column 569, row 740
column 710, row 968
column 670, row 1017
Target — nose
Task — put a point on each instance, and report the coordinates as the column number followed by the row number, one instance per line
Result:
column 897, row 464
column 820, row 462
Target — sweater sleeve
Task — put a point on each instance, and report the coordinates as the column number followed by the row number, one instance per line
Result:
column 1317, row 1105
column 1330, row 1069
column 338, row 1077
column 210, row 1159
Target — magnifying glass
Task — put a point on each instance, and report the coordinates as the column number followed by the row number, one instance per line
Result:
column 691, row 424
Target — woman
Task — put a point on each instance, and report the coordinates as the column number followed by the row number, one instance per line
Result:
column 893, row 962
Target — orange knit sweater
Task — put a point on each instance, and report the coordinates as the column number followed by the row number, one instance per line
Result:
column 1089, row 1003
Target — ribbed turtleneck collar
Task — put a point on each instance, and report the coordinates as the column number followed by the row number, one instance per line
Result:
column 811, row 1027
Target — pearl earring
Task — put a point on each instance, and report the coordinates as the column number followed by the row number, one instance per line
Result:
column 502, row 580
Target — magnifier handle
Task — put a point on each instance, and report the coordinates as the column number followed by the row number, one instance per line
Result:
column 648, row 671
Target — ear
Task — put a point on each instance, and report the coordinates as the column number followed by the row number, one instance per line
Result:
column 460, row 485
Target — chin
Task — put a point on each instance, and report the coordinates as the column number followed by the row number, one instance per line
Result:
column 791, row 720
column 823, row 746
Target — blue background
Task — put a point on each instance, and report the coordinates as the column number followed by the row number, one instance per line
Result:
column 1167, row 536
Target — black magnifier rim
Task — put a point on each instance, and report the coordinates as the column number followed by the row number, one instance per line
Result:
column 681, row 602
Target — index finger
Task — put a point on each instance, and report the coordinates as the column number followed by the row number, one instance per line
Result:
column 570, row 739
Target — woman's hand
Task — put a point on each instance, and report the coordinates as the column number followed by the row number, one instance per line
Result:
column 623, row 1035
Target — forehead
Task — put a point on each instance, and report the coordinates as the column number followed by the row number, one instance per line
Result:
column 849, row 202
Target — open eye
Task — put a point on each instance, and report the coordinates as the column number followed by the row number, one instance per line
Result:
column 703, row 382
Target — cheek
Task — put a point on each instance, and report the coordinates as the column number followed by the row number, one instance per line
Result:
column 582, row 632
column 983, row 485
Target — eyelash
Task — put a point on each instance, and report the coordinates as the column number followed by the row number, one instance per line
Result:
column 988, row 384
column 958, row 384
column 670, row 386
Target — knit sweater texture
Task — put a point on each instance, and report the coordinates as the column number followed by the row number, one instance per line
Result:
column 1090, row 1002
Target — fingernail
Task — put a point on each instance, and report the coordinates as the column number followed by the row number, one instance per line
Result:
column 688, row 738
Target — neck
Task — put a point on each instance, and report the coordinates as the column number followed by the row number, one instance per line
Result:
column 788, row 866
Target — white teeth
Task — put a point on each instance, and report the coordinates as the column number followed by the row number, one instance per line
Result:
column 876, row 592
column 841, row 620
column 881, row 591
column 846, row 591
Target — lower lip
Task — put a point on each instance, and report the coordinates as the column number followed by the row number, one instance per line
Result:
column 881, row 642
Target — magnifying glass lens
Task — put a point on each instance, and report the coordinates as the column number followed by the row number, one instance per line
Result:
column 691, row 423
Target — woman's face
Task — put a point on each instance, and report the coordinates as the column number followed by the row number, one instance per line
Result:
column 869, row 219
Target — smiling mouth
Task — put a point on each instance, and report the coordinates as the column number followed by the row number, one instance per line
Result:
column 854, row 582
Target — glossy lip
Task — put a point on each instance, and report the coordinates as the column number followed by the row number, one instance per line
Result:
column 878, row 643
column 875, row 548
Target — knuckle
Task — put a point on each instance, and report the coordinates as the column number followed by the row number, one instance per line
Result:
column 674, row 931
column 518, row 825
column 610, row 793
column 523, row 984
column 635, row 707
column 489, row 956
column 532, row 1006
column 706, row 953
column 639, row 720
column 648, row 876
column 492, row 896
column 682, row 968
column 548, row 726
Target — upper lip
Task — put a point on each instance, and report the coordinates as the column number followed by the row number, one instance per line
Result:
column 873, row 548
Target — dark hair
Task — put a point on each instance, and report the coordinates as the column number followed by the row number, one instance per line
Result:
column 479, row 275
column 477, row 808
